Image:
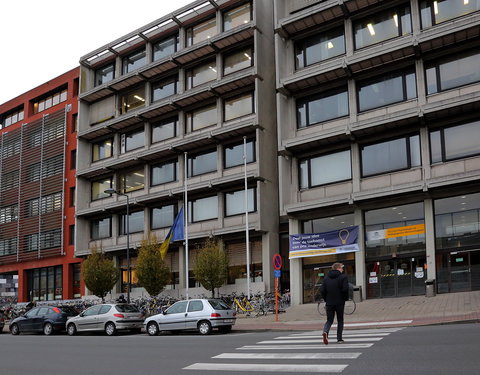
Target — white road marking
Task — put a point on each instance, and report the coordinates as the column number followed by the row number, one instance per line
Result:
column 395, row 322
column 332, row 334
column 313, row 341
column 333, row 345
column 266, row 367
column 346, row 331
column 288, row 355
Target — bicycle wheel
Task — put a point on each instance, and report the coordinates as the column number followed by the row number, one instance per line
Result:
column 350, row 307
column 321, row 308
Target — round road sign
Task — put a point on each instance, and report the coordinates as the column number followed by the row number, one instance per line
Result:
column 277, row 261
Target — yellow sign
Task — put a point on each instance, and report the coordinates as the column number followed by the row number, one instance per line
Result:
column 311, row 253
column 409, row 230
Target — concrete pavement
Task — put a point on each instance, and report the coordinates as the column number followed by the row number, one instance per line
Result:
column 386, row 312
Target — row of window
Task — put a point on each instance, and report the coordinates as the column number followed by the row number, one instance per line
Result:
column 45, row 240
column 49, row 101
column 35, row 207
column 165, row 47
column 11, row 118
column 393, row 155
column 379, row 27
column 162, row 217
column 197, row 164
column 388, row 89
column 168, row 128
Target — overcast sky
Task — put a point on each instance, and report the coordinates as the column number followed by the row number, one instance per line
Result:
column 42, row 39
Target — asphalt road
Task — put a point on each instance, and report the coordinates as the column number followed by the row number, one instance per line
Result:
column 447, row 349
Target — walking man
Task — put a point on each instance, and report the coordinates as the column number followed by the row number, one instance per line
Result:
column 334, row 292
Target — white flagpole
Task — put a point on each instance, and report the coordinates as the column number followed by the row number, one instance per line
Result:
column 247, row 239
column 185, row 211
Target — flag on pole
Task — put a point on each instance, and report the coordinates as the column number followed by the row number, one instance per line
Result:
column 174, row 234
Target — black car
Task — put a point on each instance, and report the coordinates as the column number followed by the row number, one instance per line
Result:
column 46, row 319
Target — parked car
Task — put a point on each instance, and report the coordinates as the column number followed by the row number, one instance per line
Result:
column 108, row 317
column 46, row 319
column 2, row 321
column 201, row 315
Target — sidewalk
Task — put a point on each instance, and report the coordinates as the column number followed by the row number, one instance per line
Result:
column 387, row 312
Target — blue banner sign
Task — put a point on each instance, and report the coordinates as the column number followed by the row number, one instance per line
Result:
column 339, row 241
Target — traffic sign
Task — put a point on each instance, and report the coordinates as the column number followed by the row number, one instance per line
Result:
column 277, row 273
column 277, row 261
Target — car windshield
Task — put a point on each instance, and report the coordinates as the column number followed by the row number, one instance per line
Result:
column 218, row 304
column 126, row 308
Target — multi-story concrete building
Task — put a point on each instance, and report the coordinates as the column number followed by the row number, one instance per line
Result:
column 378, row 127
column 37, row 192
column 190, row 85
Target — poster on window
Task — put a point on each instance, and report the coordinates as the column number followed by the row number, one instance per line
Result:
column 339, row 241
column 409, row 230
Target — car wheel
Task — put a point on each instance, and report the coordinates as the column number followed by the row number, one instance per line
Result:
column 204, row 327
column 14, row 329
column 152, row 329
column 48, row 329
column 225, row 329
column 71, row 329
column 110, row 329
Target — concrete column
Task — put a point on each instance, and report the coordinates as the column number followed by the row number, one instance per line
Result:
column 425, row 150
column 430, row 239
column 420, row 79
column 360, row 255
column 352, row 101
column 349, row 37
column 415, row 12
column 356, row 167
column 296, row 268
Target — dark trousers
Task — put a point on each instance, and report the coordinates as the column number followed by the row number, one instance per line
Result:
column 331, row 311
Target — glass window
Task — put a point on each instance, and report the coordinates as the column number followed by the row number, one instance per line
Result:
column 131, row 181
column 320, row 47
column 238, row 60
column 132, row 100
column 46, row 102
column 328, row 224
column 455, row 142
column 11, row 118
column 195, row 306
column 391, row 155
column 164, row 172
column 238, row 106
column 201, row 74
column 325, row 169
column 388, row 89
column 164, row 129
column 235, row 202
column 102, row 150
column 99, row 187
column 321, row 108
column 233, row 154
column 165, row 47
column 163, row 217
column 457, row 221
column 135, row 222
column 202, row 163
column 203, row 209
column 105, row 74
column 133, row 140
column 163, row 89
column 394, row 217
column 453, row 73
column 382, row 26
column 101, row 228
column 437, row 11
column 237, row 16
column 134, row 61
column 202, row 118
column 202, row 31
column 177, row 307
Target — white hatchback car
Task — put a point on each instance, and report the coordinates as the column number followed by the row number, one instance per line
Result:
column 201, row 315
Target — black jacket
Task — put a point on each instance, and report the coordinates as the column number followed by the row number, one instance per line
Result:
column 334, row 289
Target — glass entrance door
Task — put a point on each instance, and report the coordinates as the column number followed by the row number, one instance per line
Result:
column 459, row 272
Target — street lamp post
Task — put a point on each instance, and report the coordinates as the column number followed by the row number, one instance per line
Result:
column 127, row 227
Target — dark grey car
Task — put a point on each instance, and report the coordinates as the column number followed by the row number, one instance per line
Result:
column 108, row 317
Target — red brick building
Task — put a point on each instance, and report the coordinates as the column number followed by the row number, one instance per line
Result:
column 37, row 192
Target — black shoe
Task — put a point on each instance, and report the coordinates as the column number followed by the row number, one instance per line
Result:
column 340, row 341
column 325, row 338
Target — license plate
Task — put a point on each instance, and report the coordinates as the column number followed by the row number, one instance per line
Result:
column 228, row 320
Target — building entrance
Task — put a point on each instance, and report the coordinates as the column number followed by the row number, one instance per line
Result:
column 458, row 271
column 396, row 277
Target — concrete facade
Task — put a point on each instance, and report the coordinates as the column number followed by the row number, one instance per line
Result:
column 419, row 49
column 104, row 117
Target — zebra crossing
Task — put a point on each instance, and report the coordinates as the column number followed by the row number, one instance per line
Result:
column 307, row 348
